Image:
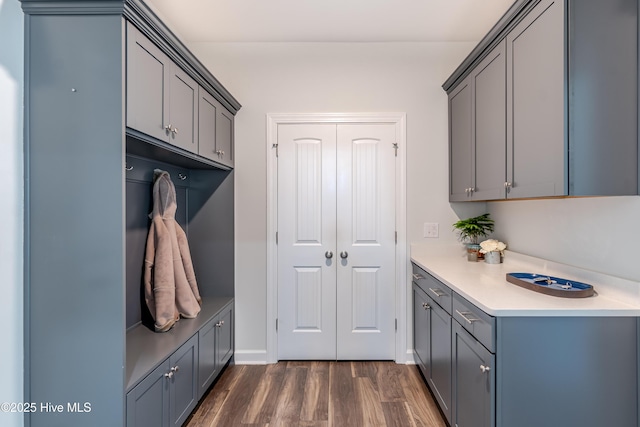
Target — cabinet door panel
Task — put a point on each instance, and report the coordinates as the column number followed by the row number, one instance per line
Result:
column 148, row 402
column 440, row 345
column 225, row 136
column 421, row 331
column 490, row 118
column 183, row 396
column 207, row 116
column 460, row 140
column 148, row 69
column 473, row 383
column 224, row 338
column 183, row 113
column 206, row 356
column 536, row 156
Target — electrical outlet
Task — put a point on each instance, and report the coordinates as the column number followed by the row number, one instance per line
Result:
column 430, row 229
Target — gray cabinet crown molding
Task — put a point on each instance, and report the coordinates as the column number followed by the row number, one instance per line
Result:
column 498, row 32
column 150, row 24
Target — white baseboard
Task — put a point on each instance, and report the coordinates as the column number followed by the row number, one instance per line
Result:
column 411, row 359
column 250, row 357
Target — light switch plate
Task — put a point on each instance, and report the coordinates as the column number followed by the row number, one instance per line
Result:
column 431, row 230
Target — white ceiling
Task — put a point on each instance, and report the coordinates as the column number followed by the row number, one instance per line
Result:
column 330, row 20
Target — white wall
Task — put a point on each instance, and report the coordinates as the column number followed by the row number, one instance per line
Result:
column 11, row 214
column 597, row 233
column 330, row 77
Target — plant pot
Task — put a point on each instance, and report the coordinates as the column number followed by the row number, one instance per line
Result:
column 473, row 252
column 493, row 257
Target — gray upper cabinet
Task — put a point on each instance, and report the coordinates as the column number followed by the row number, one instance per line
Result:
column 565, row 106
column 460, row 142
column 489, row 109
column 148, row 71
column 183, row 110
column 225, row 136
column 536, row 156
column 215, row 130
column 477, row 129
column 162, row 100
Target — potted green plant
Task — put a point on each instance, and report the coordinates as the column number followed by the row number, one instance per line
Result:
column 470, row 230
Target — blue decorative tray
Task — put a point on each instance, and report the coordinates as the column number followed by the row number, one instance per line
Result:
column 551, row 285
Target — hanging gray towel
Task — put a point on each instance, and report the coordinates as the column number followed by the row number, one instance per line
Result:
column 170, row 286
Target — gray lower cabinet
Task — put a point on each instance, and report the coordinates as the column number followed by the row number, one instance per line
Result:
column 526, row 371
column 167, row 396
column 432, row 335
column 215, row 348
column 473, row 381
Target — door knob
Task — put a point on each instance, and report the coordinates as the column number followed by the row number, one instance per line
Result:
column 328, row 254
column 344, row 254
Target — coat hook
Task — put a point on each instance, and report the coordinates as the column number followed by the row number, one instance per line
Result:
column 129, row 168
column 182, row 177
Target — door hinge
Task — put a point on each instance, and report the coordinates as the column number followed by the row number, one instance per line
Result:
column 276, row 325
column 276, row 147
column 395, row 147
column 396, row 325
column 276, row 237
column 396, row 237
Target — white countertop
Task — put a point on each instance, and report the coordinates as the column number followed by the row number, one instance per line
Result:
column 485, row 285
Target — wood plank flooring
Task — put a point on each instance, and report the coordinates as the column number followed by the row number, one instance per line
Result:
column 318, row 394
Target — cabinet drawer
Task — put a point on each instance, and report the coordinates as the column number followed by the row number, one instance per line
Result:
column 475, row 321
column 437, row 290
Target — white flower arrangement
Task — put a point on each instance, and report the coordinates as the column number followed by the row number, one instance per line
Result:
column 492, row 245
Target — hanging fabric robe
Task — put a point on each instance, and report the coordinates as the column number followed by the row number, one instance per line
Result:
column 170, row 286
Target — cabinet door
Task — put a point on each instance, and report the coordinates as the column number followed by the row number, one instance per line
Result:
column 224, row 136
column 183, row 110
column 422, row 331
column 473, row 381
column 489, row 83
column 183, row 392
column 148, row 402
column 148, row 70
column 440, row 344
column 460, row 140
column 207, row 356
column 536, row 144
column 224, row 337
column 207, row 115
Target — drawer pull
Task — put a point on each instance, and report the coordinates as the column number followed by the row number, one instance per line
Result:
column 417, row 276
column 465, row 316
column 438, row 292
column 485, row 369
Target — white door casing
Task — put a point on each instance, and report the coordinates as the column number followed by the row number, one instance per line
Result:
column 336, row 241
column 402, row 353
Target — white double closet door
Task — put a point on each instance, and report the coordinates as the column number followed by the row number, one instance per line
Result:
column 336, row 241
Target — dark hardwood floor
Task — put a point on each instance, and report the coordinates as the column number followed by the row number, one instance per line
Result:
column 340, row 394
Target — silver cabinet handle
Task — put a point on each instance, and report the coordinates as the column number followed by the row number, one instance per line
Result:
column 438, row 292
column 174, row 130
column 175, row 368
column 417, row 276
column 219, row 324
column 465, row 316
column 344, row 254
column 168, row 127
column 485, row 369
column 328, row 255
column 169, row 375
column 426, row 306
